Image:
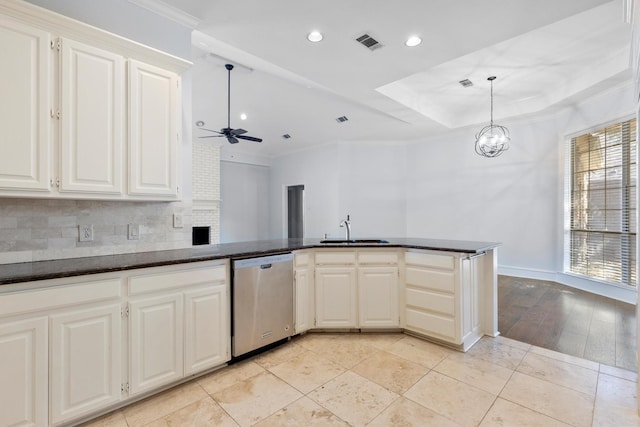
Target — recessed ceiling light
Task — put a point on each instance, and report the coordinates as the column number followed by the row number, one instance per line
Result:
column 243, row 116
column 315, row 36
column 413, row 41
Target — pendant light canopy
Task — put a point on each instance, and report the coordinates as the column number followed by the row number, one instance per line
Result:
column 492, row 140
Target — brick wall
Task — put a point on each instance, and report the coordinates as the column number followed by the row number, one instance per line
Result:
column 206, row 187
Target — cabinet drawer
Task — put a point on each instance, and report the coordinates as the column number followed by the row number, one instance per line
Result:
column 302, row 259
column 47, row 299
column 175, row 279
column 430, row 301
column 335, row 258
column 430, row 279
column 433, row 324
column 430, row 260
column 377, row 257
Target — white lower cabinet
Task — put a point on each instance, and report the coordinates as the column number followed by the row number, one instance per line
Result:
column 85, row 359
column 357, row 289
column 378, row 297
column 156, row 340
column 69, row 347
column 336, row 297
column 304, row 291
column 206, row 328
column 23, row 372
column 179, row 323
column 441, row 297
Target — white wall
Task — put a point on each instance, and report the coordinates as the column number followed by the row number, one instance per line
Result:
column 244, row 209
column 364, row 180
column 452, row 193
column 439, row 187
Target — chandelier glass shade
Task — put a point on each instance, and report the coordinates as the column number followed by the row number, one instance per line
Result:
column 492, row 140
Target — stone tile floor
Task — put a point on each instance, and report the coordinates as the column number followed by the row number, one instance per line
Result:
column 395, row 380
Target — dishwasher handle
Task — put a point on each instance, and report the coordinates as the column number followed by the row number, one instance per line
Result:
column 265, row 266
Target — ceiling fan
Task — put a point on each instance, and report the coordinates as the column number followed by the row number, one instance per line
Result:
column 232, row 135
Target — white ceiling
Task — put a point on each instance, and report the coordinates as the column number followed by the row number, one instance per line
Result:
column 546, row 54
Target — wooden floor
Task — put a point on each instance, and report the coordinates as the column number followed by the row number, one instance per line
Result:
column 568, row 320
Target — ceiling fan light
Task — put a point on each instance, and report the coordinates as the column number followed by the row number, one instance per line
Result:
column 315, row 36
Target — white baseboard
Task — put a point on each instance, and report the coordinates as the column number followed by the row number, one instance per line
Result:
column 620, row 294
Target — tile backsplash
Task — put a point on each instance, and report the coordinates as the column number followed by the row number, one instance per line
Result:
column 36, row 230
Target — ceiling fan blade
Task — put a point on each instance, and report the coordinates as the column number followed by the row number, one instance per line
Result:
column 238, row 131
column 211, row 136
column 250, row 138
column 232, row 139
column 211, row 130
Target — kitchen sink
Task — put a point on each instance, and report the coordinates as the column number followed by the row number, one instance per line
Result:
column 361, row 241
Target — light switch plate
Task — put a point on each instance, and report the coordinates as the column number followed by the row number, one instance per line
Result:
column 177, row 221
column 133, row 232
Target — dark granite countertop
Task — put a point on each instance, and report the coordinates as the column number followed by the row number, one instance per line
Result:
column 54, row 269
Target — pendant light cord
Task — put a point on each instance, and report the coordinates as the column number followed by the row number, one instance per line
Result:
column 491, row 79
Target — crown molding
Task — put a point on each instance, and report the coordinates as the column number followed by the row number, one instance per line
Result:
column 170, row 12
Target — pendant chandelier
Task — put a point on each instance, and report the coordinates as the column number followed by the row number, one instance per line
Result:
column 492, row 140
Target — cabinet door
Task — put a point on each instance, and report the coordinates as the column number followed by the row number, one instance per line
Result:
column 85, row 361
column 305, row 312
column 378, row 297
column 23, row 372
column 153, row 130
column 336, row 303
column 156, row 341
column 24, row 107
column 207, row 328
column 91, row 119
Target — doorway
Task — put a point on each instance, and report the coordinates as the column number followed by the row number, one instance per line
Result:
column 295, row 211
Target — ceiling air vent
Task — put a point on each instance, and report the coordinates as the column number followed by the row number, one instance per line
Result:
column 369, row 42
column 342, row 119
column 466, row 83
column 286, row 136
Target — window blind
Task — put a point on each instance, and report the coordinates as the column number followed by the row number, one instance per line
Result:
column 603, row 227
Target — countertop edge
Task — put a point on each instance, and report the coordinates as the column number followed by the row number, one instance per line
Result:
column 62, row 268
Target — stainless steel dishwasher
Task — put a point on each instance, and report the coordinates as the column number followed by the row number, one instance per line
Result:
column 262, row 302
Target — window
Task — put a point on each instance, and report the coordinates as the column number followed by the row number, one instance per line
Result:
column 602, row 231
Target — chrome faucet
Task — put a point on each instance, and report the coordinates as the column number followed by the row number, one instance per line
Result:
column 347, row 223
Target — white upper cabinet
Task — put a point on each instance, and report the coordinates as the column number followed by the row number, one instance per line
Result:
column 24, row 107
column 153, row 130
column 91, row 120
column 85, row 114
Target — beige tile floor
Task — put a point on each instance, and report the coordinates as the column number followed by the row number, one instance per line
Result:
column 395, row 380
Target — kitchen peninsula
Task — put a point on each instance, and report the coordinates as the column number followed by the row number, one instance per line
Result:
column 142, row 322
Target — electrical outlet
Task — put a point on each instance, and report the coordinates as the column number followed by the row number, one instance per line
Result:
column 133, row 231
column 177, row 221
column 85, row 233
